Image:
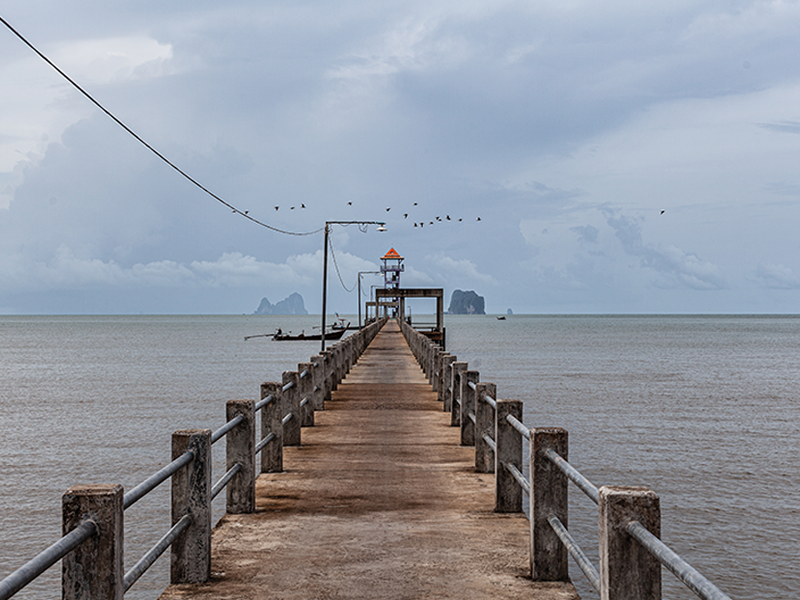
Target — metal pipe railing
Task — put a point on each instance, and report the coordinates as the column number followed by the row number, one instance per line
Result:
column 265, row 441
column 220, row 485
column 222, row 431
column 675, row 564
column 575, row 551
column 156, row 479
column 46, row 559
column 586, row 486
column 264, row 403
column 521, row 480
column 144, row 563
column 516, row 424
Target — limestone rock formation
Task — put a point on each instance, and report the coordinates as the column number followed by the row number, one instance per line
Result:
column 291, row 305
column 466, row 303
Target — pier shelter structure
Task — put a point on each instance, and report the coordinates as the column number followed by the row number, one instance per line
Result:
column 397, row 296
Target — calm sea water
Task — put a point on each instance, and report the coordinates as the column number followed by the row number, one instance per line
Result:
column 703, row 410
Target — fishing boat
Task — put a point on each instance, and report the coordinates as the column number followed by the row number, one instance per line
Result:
column 334, row 334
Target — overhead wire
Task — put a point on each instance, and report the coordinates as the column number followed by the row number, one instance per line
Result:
column 335, row 264
column 147, row 145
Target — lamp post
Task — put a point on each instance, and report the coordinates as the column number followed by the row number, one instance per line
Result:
column 381, row 227
column 360, row 273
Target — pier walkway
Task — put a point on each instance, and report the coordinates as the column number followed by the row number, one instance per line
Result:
column 380, row 501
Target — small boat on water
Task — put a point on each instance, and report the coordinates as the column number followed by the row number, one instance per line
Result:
column 335, row 334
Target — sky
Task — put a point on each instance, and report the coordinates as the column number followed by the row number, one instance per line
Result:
column 614, row 157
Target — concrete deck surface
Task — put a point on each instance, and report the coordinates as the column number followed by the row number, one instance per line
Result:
column 380, row 501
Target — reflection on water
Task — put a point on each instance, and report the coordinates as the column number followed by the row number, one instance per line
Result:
column 703, row 410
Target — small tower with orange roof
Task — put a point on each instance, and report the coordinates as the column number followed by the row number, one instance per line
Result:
column 391, row 269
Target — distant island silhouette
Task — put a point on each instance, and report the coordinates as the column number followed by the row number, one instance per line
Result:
column 291, row 305
column 466, row 303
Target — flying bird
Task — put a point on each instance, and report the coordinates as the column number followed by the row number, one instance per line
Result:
column 277, row 207
column 247, row 211
column 415, row 203
column 291, row 208
column 447, row 217
column 479, row 218
column 405, row 215
column 302, row 206
column 662, row 212
column 388, row 209
column 349, row 204
column 460, row 220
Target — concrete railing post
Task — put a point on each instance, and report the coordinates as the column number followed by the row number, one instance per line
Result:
column 435, row 362
column 455, row 387
column 508, row 494
column 468, row 407
column 190, row 558
column 94, row 569
column 484, row 426
column 240, row 449
column 627, row 570
column 548, row 556
column 327, row 369
column 318, row 381
column 440, row 368
column 338, row 365
column 306, row 392
column 291, row 406
column 447, row 380
column 271, row 422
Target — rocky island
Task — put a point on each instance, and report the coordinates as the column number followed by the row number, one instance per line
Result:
column 466, row 303
column 291, row 305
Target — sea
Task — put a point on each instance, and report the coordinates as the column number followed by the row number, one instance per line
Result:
column 703, row 410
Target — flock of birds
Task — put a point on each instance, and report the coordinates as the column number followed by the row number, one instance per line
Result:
column 420, row 224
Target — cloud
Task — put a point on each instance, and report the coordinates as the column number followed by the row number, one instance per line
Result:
column 586, row 233
column 782, row 126
column 677, row 267
column 459, row 270
column 67, row 271
column 535, row 116
column 777, row 277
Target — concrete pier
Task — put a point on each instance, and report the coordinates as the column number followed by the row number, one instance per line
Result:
column 379, row 501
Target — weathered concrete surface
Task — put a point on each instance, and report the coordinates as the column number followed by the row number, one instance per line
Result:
column 380, row 501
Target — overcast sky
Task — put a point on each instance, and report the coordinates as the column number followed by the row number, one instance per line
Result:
column 622, row 156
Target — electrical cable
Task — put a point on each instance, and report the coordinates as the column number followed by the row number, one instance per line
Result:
column 147, row 145
column 335, row 264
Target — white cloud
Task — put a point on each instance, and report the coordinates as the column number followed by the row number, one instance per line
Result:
column 464, row 271
column 674, row 265
column 41, row 104
column 777, row 277
column 67, row 271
